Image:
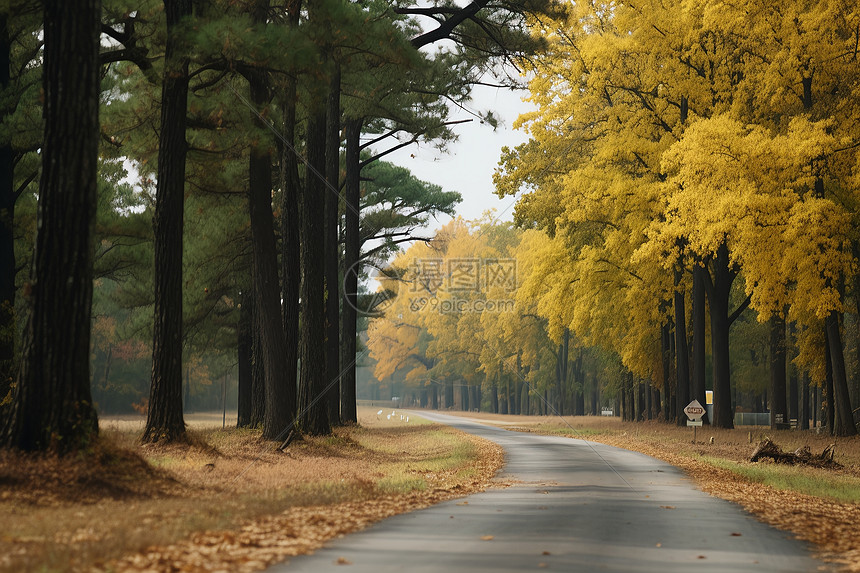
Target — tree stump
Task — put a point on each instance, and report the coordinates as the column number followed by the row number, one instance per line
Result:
column 768, row 449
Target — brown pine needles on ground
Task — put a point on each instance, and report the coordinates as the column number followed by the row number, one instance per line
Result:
column 225, row 502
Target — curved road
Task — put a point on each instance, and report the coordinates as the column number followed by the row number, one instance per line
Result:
column 575, row 506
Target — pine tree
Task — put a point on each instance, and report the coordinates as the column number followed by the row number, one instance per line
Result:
column 52, row 406
column 164, row 420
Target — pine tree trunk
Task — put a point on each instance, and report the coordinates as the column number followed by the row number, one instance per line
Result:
column 52, row 406
column 7, row 218
column 778, row 409
column 290, row 222
column 312, row 382
column 258, row 376
column 351, row 268
column 841, row 403
column 682, row 364
column 164, row 421
column 280, row 400
column 332, row 251
column 244, row 357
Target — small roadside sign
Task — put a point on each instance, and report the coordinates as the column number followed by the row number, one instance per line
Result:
column 694, row 422
column 694, row 411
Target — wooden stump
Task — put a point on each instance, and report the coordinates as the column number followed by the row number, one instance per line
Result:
column 768, row 449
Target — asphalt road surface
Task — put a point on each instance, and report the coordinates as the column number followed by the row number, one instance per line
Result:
column 574, row 506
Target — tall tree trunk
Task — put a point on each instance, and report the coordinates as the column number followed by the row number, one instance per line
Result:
column 656, row 402
column 649, row 413
column 815, row 404
column 164, row 421
column 697, row 385
column 449, row 395
column 563, row 357
column 7, row 219
column 579, row 385
column 793, row 382
column 718, row 289
column 804, row 415
column 331, row 246
column 682, row 356
column 258, row 376
column 312, row 382
column 290, row 222
column 244, row 357
column 827, row 411
column 352, row 251
column 525, row 399
column 841, row 402
column 494, row 399
column 280, row 400
column 666, row 352
column 51, row 405
column 778, row 408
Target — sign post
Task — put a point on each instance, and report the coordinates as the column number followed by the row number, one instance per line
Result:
column 694, row 412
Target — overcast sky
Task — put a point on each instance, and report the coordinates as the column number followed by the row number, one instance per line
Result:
column 468, row 165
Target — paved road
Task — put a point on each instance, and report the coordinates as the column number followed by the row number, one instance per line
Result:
column 576, row 506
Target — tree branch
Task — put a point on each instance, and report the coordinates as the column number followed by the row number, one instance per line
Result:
column 444, row 30
column 739, row 310
column 18, row 192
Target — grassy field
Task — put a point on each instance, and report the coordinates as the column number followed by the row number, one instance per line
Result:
column 226, row 500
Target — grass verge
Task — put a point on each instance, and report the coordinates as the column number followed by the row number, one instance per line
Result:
column 227, row 500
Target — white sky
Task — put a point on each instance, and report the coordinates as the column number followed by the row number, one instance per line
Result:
column 468, row 165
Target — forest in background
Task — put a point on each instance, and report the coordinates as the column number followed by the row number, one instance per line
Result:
column 686, row 211
column 687, row 215
column 218, row 192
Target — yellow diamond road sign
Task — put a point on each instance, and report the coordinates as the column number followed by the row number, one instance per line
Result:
column 694, row 410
